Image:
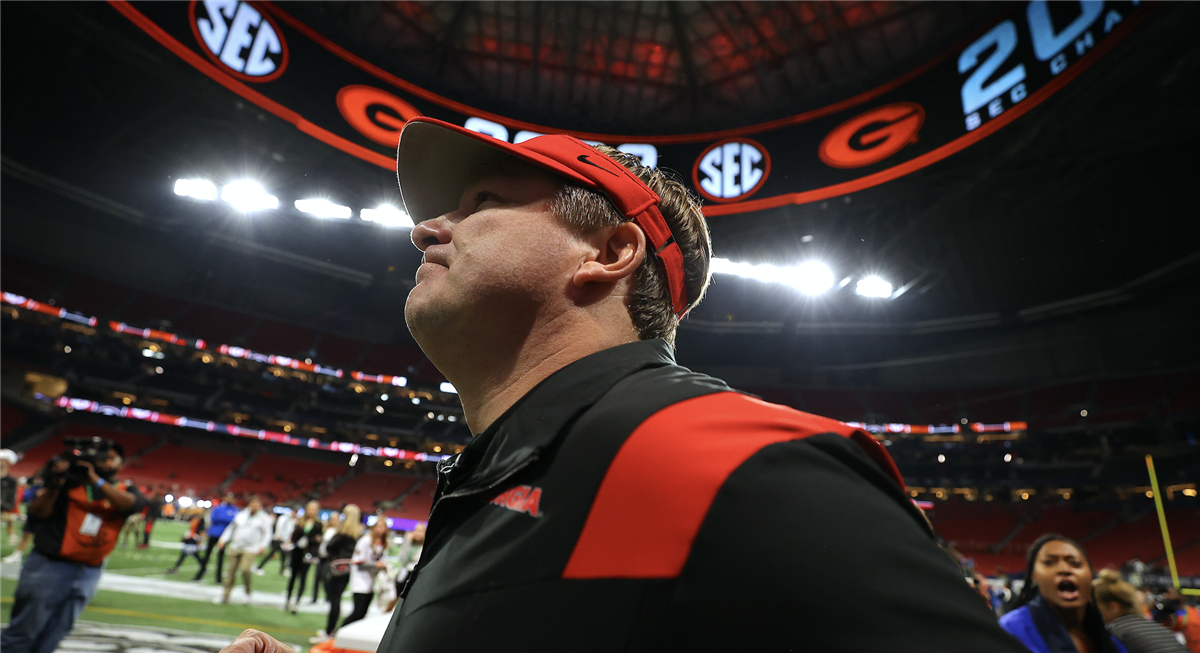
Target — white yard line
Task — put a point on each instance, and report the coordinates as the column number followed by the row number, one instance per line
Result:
column 120, row 581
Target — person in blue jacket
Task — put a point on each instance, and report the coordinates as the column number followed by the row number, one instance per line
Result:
column 218, row 519
column 1054, row 612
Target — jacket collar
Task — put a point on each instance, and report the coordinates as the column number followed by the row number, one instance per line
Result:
column 536, row 420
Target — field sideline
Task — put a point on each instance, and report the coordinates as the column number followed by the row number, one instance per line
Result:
column 175, row 611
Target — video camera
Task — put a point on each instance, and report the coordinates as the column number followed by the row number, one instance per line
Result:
column 93, row 450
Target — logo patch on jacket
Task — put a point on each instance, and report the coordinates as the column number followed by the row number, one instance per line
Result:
column 520, row 498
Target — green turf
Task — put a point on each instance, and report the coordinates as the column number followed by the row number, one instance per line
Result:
column 183, row 614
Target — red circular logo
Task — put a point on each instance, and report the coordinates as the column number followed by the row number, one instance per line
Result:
column 872, row 136
column 241, row 39
column 376, row 114
column 731, row 170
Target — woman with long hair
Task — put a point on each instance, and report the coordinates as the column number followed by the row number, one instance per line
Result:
column 1118, row 603
column 322, row 573
column 1054, row 612
column 340, row 550
column 368, row 561
column 306, row 540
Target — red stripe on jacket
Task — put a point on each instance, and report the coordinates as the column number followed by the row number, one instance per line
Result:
column 665, row 477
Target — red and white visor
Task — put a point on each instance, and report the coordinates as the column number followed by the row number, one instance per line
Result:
column 435, row 160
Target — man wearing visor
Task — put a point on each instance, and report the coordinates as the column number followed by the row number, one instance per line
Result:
column 611, row 499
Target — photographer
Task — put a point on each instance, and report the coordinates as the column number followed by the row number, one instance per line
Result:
column 80, row 512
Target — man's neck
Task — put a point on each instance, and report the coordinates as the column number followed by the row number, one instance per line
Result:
column 490, row 376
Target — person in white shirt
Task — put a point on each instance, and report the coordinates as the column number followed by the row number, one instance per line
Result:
column 280, row 542
column 367, row 562
column 245, row 538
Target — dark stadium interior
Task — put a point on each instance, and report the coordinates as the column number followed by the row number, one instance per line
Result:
column 1052, row 269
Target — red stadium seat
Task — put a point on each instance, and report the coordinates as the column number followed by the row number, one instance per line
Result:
column 418, row 504
column 281, row 478
column 974, row 527
column 11, row 419
column 1142, row 539
column 183, row 470
column 366, row 489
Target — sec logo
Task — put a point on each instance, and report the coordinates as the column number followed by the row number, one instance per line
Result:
column 375, row 113
column 873, row 136
column 731, row 170
column 240, row 39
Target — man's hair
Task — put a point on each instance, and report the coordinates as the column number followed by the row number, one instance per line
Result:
column 650, row 300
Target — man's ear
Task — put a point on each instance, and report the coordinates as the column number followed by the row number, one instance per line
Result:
column 618, row 253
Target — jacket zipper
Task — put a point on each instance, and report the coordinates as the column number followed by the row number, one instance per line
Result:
column 453, row 495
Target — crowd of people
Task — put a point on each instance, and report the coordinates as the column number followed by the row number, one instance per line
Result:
column 75, row 522
column 332, row 547
column 1062, row 604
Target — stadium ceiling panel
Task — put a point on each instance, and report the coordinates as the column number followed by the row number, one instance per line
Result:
column 647, row 67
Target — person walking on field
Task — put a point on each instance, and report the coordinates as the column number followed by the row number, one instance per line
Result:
column 244, row 540
column 366, row 564
column 218, row 520
column 321, row 575
column 305, row 542
column 340, row 549
column 283, row 534
column 191, row 542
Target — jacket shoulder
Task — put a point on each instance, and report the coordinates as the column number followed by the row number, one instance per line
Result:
column 670, row 468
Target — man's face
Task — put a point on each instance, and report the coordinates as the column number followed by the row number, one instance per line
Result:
column 501, row 256
column 110, row 465
column 3, row 468
column 255, row 506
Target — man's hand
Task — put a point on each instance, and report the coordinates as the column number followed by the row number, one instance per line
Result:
column 57, row 476
column 93, row 477
column 253, row 641
column 221, row 545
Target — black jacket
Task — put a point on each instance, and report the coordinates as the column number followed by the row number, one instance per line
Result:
column 629, row 504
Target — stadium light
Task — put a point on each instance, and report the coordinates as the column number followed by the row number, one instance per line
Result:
column 873, row 287
column 941, row 457
column 447, row 387
column 388, row 216
column 323, row 208
column 245, row 195
column 200, row 189
column 170, row 498
column 1008, row 457
column 185, row 502
column 811, row 278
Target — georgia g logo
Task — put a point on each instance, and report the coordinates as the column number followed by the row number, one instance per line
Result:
column 872, row 136
column 243, row 41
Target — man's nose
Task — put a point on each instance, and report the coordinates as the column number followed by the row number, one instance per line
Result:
column 431, row 232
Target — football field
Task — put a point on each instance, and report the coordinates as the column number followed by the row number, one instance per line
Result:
column 136, row 591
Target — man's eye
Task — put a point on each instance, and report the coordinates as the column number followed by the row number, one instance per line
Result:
column 483, row 196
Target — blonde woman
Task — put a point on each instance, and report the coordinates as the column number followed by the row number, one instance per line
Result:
column 368, row 561
column 1118, row 603
column 340, row 550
